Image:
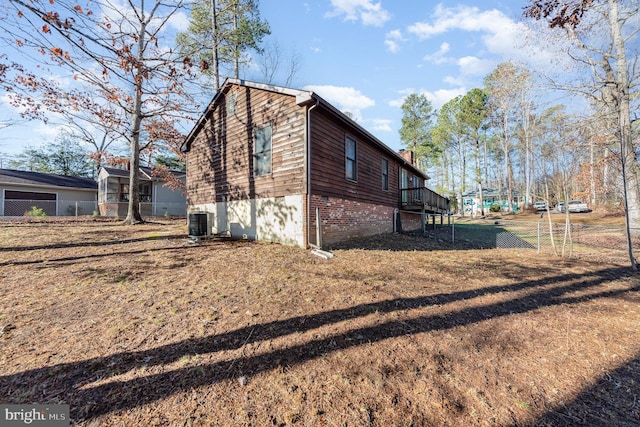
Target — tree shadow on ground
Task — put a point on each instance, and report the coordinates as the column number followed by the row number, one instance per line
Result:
column 440, row 238
column 612, row 401
column 84, row 256
column 72, row 382
column 88, row 243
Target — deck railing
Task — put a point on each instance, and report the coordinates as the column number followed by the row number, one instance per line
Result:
column 423, row 198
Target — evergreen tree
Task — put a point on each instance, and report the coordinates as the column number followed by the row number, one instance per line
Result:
column 417, row 120
column 220, row 34
column 64, row 157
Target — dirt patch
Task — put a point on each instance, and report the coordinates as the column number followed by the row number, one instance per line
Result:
column 134, row 325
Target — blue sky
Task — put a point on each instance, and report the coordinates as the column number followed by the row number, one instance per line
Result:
column 365, row 56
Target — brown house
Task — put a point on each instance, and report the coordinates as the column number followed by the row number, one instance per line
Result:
column 263, row 160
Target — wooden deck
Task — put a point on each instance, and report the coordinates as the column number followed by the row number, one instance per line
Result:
column 423, row 199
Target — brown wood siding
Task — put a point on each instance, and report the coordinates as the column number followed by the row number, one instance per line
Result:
column 220, row 162
column 328, row 176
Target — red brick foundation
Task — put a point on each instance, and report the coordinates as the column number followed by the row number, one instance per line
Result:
column 344, row 219
column 410, row 221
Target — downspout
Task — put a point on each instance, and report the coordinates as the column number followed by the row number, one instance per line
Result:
column 307, row 161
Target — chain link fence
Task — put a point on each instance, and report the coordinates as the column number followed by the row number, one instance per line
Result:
column 171, row 209
column 49, row 207
column 602, row 243
column 598, row 243
column 14, row 208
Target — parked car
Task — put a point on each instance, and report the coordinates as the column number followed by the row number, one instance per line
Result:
column 577, row 206
column 560, row 207
column 540, row 206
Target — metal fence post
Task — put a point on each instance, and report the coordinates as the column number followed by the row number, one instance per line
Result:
column 538, row 237
column 453, row 230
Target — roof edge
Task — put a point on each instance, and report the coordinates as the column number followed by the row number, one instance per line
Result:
column 302, row 97
column 384, row 147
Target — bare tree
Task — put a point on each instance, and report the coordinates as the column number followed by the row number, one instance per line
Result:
column 507, row 88
column 601, row 32
column 278, row 66
column 114, row 50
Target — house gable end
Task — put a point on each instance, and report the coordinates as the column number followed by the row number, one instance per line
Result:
column 301, row 98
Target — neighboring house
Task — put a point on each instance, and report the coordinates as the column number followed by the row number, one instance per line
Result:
column 156, row 199
column 57, row 195
column 263, row 159
column 490, row 197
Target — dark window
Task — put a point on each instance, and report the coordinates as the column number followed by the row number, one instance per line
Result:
column 404, row 184
column 350, row 155
column 144, row 191
column 28, row 195
column 385, row 174
column 112, row 190
column 262, row 151
column 124, row 192
column 416, row 185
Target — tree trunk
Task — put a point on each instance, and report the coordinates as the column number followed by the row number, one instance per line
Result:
column 551, row 235
column 133, row 211
column 509, row 171
column 630, row 167
column 214, row 50
column 461, row 178
column 236, row 43
column 479, row 176
column 592, row 172
column 507, row 162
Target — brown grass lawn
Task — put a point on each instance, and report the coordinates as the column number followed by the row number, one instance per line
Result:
column 135, row 326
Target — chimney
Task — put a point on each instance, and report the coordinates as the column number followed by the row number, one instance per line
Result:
column 408, row 156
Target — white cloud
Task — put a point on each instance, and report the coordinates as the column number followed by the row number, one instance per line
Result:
column 472, row 66
column 6, row 101
column 345, row 98
column 397, row 103
column 439, row 56
column 381, row 125
column 466, row 18
column 364, row 10
column 437, row 98
column 499, row 34
column 453, row 81
column 392, row 45
column 442, row 96
column 179, row 21
column 393, row 39
column 49, row 131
